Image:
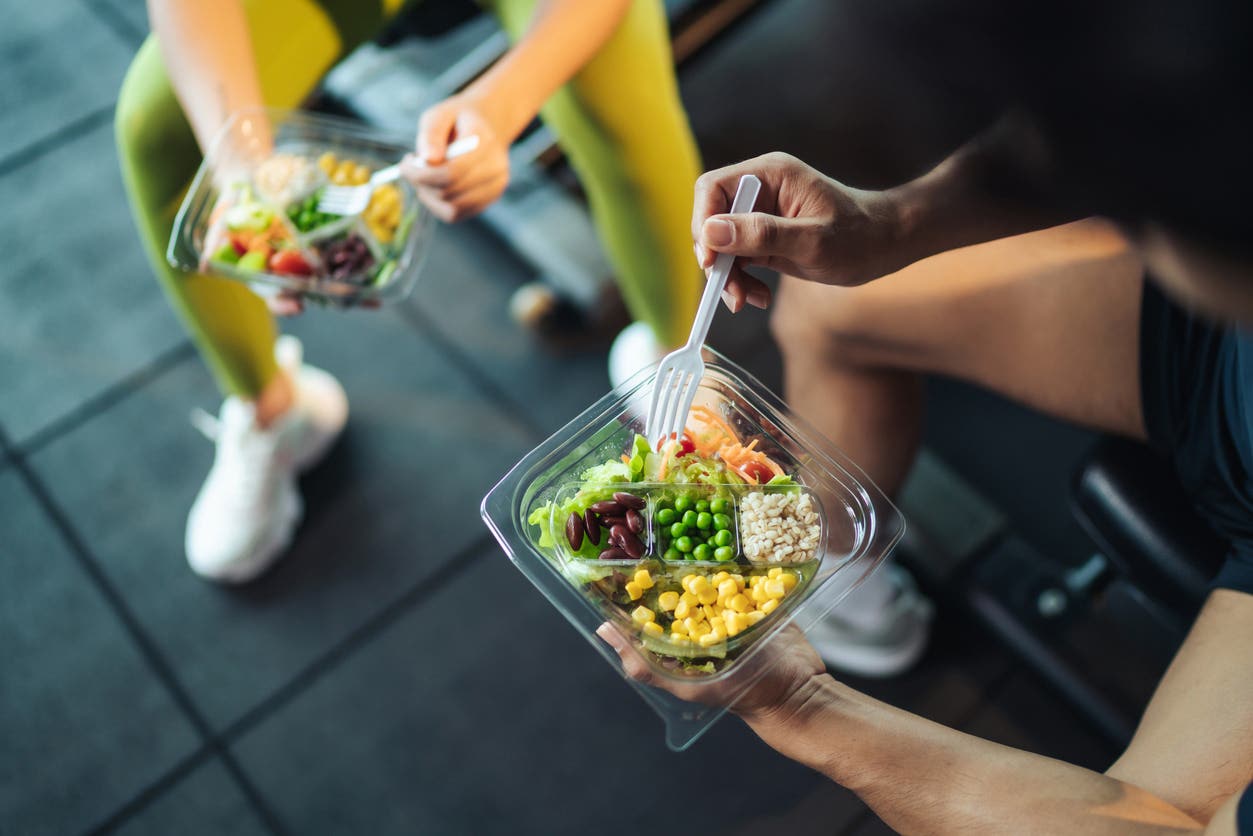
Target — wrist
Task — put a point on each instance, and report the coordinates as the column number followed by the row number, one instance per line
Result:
column 786, row 724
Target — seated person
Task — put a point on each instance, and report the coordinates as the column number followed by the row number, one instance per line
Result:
column 1137, row 327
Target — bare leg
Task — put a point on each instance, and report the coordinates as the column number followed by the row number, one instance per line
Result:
column 1050, row 319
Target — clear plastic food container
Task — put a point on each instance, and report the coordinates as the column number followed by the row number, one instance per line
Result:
column 251, row 212
column 791, row 548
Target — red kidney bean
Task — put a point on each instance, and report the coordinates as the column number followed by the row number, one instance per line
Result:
column 610, row 522
column 629, row 500
column 574, row 531
column 632, row 545
column 593, row 526
column 617, row 532
column 614, row 554
column 634, row 521
column 608, row 508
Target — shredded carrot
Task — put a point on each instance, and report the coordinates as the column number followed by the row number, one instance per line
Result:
column 720, row 441
column 626, row 459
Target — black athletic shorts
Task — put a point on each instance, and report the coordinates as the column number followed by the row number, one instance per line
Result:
column 1196, row 383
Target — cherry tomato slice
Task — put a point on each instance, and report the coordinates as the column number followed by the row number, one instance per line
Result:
column 758, row 471
column 290, row 262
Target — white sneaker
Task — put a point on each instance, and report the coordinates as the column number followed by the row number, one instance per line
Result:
column 248, row 508
column 890, row 646
column 634, row 348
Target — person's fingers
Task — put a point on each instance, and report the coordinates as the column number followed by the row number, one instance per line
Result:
column 742, row 289
column 467, row 204
column 485, row 178
column 451, row 174
column 285, row 305
column 716, row 189
column 632, row 662
column 435, row 127
column 754, row 235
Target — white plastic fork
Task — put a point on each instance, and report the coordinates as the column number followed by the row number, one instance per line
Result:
column 680, row 372
column 352, row 200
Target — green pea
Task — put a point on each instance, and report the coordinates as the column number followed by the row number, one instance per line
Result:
column 704, row 519
column 719, row 505
column 702, row 506
column 665, row 516
column 689, row 519
column 702, row 552
column 672, row 555
column 724, row 553
column 683, row 544
column 723, row 538
column 677, row 530
column 682, row 503
column 722, row 522
column 662, row 503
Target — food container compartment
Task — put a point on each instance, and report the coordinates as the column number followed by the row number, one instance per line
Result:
column 859, row 526
column 238, row 202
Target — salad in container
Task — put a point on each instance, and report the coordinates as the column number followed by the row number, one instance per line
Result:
column 252, row 213
column 697, row 549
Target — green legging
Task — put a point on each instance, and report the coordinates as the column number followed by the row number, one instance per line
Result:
column 630, row 144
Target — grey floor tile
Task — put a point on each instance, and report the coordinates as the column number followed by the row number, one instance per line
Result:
column 481, row 711
column 207, row 802
column 394, row 502
column 79, row 308
column 464, row 292
column 1025, row 714
column 127, row 18
column 60, row 64
column 85, row 723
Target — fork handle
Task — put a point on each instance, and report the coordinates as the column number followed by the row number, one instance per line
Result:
column 745, row 197
column 458, row 147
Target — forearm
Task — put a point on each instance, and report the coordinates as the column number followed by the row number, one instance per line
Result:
column 990, row 188
column 563, row 36
column 208, row 55
column 921, row 777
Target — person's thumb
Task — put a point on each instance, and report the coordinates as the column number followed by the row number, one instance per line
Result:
column 434, row 129
column 751, row 234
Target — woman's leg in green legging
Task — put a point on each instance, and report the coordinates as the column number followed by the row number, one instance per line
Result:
column 622, row 124
column 296, row 42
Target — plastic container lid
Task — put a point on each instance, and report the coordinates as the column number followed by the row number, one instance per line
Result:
column 269, row 166
column 859, row 526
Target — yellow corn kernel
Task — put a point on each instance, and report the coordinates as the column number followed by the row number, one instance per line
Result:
column 720, row 577
column 680, row 639
column 775, row 588
column 668, row 601
column 652, row 628
column 699, row 584
column 709, row 611
column 739, row 581
column 686, row 583
column 727, row 587
column 342, row 175
column 709, row 640
column 754, row 617
column 708, row 595
column 643, row 615
column 754, row 580
column 716, row 623
column 391, row 216
column 678, row 628
column 759, row 594
column 327, row 162
column 740, row 603
column 789, row 581
column 702, row 628
column 774, row 572
column 682, row 610
column 360, row 174
column 384, row 235
column 728, row 615
column 644, row 579
column 769, row 606
column 633, row 590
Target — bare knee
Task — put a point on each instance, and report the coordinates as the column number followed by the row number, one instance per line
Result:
column 829, row 325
